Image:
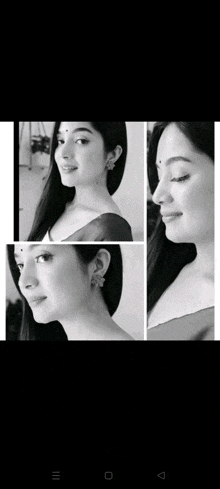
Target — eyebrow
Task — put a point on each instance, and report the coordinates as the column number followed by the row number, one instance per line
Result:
column 175, row 158
column 79, row 129
column 30, row 248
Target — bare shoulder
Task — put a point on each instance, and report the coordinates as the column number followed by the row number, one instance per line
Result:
column 124, row 336
column 188, row 293
column 107, row 206
column 120, row 336
column 113, row 208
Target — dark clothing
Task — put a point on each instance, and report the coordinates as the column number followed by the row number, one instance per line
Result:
column 198, row 326
column 106, row 227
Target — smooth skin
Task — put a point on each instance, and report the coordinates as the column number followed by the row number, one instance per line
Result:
column 81, row 146
column 186, row 187
column 56, row 273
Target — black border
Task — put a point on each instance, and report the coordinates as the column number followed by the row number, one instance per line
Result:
column 16, row 181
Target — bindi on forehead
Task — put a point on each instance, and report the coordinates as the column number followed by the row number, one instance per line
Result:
column 28, row 248
column 174, row 159
column 76, row 130
column 17, row 251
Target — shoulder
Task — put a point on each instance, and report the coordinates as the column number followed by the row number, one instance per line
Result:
column 112, row 227
column 197, row 326
column 186, row 295
column 117, row 334
column 105, row 227
column 117, row 227
column 106, row 205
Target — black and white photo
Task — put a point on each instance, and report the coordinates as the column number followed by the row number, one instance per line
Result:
column 180, row 263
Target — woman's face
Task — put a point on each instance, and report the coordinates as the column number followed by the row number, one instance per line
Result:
column 186, row 188
column 80, row 155
column 52, row 279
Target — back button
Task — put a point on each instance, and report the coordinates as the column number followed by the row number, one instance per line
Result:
column 161, row 475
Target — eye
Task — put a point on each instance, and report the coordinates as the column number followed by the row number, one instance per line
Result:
column 43, row 258
column 20, row 266
column 180, row 179
column 82, row 141
column 60, row 141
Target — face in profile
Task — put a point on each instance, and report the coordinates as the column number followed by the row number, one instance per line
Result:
column 80, row 155
column 52, row 279
column 185, row 191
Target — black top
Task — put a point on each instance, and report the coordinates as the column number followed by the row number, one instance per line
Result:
column 106, row 227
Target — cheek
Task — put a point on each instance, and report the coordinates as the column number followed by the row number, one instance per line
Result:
column 70, row 284
column 97, row 156
column 198, row 194
column 198, row 202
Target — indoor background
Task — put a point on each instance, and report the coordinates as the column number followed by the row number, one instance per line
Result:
column 33, row 169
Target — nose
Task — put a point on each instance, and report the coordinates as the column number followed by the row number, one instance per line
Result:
column 162, row 194
column 28, row 279
column 67, row 149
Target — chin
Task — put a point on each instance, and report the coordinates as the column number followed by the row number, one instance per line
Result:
column 43, row 318
column 178, row 238
column 66, row 183
column 68, row 186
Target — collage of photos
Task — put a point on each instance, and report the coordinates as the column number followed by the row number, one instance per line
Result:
column 114, row 239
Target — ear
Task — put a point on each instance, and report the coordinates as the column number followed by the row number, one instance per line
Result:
column 114, row 155
column 100, row 263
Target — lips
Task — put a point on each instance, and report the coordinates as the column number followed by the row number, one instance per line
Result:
column 68, row 168
column 169, row 214
column 167, row 217
column 34, row 301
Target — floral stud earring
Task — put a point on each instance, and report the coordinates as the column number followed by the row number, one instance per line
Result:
column 98, row 280
column 110, row 165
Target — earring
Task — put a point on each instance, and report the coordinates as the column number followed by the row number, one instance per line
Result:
column 98, row 280
column 110, row 165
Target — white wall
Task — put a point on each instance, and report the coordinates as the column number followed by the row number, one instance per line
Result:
column 129, row 197
column 130, row 313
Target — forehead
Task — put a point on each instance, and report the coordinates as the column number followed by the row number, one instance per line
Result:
column 19, row 249
column 72, row 126
column 174, row 143
column 65, row 251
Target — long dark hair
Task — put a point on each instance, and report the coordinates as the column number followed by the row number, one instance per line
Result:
column 55, row 195
column 166, row 259
column 111, row 291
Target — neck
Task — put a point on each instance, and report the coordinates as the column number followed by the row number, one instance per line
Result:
column 204, row 261
column 89, row 323
column 88, row 195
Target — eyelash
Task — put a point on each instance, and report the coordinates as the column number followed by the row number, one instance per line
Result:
column 46, row 256
column 84, row 141
column 180, row 179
